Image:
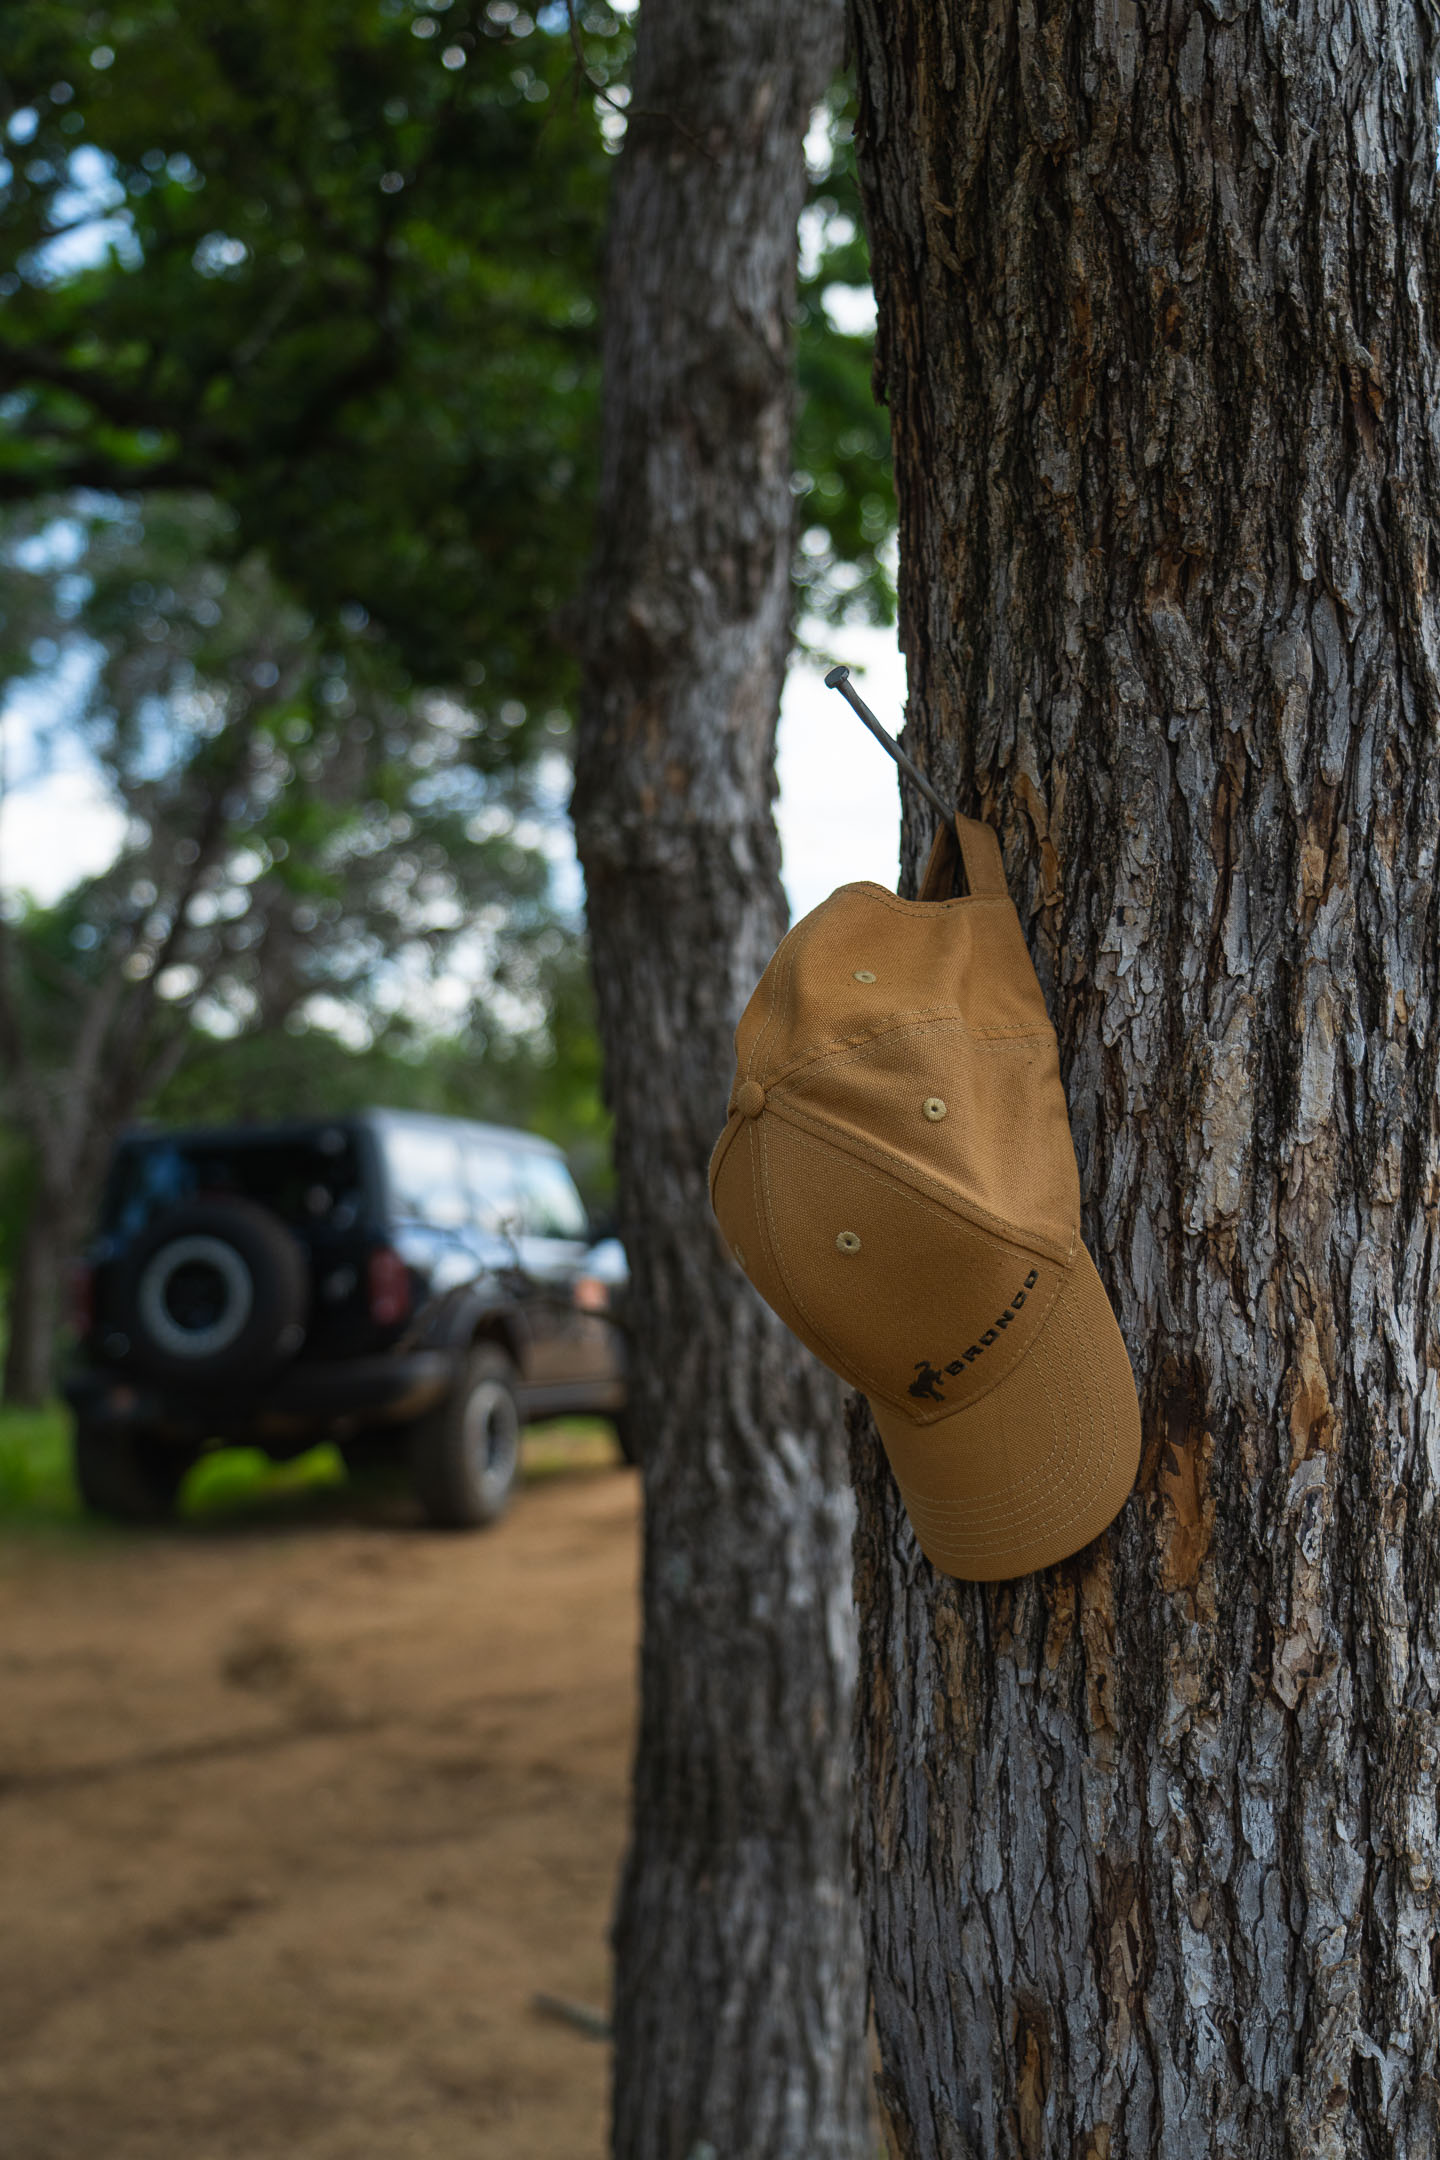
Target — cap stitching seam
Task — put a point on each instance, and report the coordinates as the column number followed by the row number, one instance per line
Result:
column 989, row 1040
column 925, row 1021
column 818, row 1127
column 925, row 1016
column 762, row 1209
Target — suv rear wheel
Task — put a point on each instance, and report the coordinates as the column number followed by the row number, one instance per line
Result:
column 127, row 1473
column 465, row 1453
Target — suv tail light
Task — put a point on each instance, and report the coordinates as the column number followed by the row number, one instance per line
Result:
column 82, row 1298
column 388, row 1283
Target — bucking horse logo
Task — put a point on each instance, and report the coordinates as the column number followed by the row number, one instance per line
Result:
column 927, row 1386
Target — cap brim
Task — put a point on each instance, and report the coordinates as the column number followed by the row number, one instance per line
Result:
column 1041, row 1464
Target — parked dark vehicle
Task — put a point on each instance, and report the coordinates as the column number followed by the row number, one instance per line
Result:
column 402, row 1284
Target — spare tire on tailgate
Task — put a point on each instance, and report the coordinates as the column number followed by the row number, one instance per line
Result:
column 217, row 1290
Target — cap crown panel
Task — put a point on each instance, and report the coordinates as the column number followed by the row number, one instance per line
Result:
column 958, row 958
column 1003, row 1146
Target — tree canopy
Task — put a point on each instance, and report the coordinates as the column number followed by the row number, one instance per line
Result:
column 338, row 266
column 347, row 287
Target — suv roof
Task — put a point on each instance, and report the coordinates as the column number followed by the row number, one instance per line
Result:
column 295, row 1128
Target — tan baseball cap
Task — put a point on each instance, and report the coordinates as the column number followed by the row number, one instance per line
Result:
column 898, row 1181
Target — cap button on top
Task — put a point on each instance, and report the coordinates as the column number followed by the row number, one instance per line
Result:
column 750, row 1098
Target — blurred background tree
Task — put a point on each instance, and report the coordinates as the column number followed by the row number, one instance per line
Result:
column 338, row 265
column 302, row 853
column 298, row 325
column 347, row 285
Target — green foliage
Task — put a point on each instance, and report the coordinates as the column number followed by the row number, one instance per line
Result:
column 292, row 828
column 350, row 292
column 350, row 289
column 845, row 497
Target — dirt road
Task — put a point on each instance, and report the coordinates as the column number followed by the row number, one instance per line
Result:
column 297, row 1814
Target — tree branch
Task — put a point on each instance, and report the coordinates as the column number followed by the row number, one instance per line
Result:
column 103, row 476
column 23, row 366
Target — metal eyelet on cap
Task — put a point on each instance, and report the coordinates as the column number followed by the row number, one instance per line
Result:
column 864, row 975
column 933, row 1108
column 848, row 1242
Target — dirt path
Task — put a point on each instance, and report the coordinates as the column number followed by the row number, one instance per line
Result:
column 296, row 1817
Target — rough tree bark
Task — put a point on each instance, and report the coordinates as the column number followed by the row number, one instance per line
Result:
column 1151, row 1840
column 739, row 1993
column 32, row 1313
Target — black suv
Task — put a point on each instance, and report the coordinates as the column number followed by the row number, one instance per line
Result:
column 390, row 1281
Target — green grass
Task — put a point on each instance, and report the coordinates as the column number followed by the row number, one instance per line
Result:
column 35, row 1481
column 37, row 1489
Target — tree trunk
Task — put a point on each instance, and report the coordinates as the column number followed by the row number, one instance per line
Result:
column 33, row 1310
column 1150, row 1840
column 739, row 1992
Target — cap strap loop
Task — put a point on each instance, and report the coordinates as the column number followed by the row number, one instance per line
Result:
column 972, row 848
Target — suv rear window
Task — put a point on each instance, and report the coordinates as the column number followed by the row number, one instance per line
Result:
column 307, row 1181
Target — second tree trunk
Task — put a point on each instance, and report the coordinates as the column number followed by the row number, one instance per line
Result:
column 739, row 1995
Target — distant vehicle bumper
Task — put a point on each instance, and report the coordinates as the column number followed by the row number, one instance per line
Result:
column 299, row 1402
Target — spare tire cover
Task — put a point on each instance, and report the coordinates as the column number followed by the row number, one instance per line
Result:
column 215, row 1289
